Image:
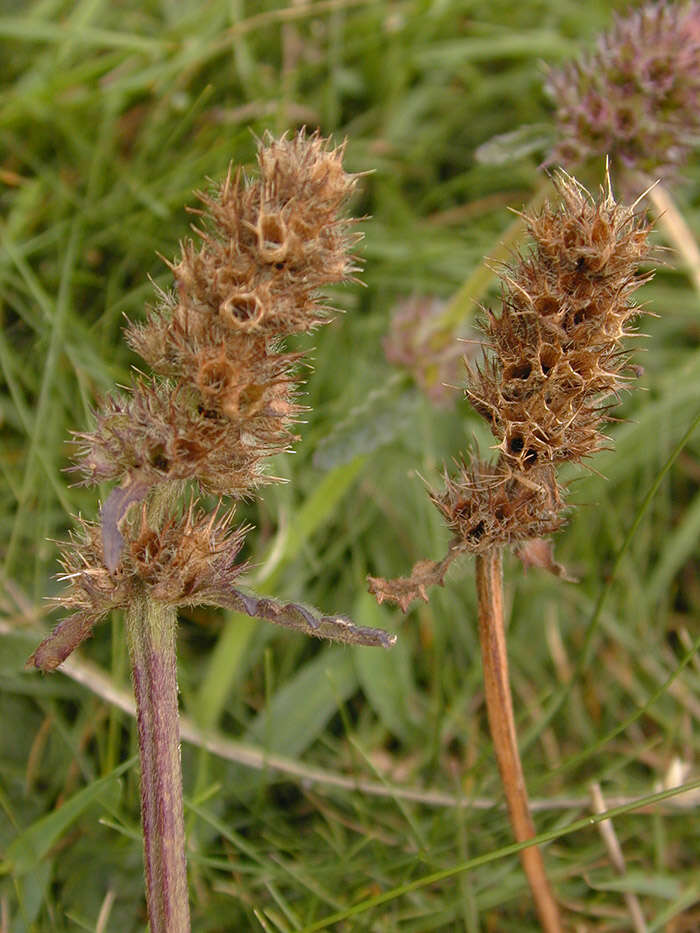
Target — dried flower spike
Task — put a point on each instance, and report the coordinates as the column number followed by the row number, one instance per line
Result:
column 554, row 364
column 223, row 399
column 637, row 97
column 226, row 399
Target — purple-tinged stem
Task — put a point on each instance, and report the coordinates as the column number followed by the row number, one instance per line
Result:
column 150, row 630
column 499, row 706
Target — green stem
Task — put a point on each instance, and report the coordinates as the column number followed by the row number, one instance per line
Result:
column 150, row 628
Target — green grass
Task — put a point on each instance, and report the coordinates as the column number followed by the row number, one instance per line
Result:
column 110, row 116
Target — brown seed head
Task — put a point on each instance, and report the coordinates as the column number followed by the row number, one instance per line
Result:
column 222, row 401
column 555, row 347
column 225, row 399
column 554, row 359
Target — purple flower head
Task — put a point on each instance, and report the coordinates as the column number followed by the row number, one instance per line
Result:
column 636, row 98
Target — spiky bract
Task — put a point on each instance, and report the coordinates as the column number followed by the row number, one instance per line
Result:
column 227, row 396
column 553, row 360
column 182, row 563
column 488, row 505
column 223, row 400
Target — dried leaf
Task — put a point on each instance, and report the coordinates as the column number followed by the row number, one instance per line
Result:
column 113, row 511
column 404, row 590
column 538, row 552
column 302, row 619
column 65, row 638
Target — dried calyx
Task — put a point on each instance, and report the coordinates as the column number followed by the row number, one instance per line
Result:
column 553, row 367
column 223, row 400
column 227, row 396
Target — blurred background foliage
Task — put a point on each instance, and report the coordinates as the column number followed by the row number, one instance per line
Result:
column 111, row 114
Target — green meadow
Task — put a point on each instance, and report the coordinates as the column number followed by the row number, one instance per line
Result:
column 331, row 787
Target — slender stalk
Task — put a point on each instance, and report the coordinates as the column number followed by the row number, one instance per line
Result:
column 679, row 235
column 150, row 628
column 612, row 844
column 499, row 707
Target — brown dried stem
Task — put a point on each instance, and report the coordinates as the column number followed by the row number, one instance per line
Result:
column 499, row 706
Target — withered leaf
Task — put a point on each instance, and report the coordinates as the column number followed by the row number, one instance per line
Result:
column 64, row 639
column 116, row 506
column 539, row 552
column 404, row 590
column 303, row 619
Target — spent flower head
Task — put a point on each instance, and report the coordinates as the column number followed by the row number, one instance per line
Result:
column 635, row 98
column 553, row 366
column 224, row 397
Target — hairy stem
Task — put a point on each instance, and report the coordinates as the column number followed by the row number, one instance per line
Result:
column 499, row 707
column 150, row 630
